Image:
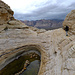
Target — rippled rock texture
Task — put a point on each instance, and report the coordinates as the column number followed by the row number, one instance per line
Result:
column 6, row 13
column 70, row 22
column 57, row 50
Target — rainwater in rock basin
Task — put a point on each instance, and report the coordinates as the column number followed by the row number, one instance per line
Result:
column 20, row 67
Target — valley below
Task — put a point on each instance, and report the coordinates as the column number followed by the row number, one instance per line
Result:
column 45, row 24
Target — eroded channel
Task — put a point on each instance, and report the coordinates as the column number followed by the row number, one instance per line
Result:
column 27, row 63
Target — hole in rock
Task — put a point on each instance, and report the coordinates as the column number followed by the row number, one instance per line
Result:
column 55, row 53
column 27, row 63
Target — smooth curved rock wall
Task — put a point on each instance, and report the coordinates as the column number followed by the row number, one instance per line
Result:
column 14, row 53
column 70, row 22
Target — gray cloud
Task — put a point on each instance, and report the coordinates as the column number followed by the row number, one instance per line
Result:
column 48, row 11
column 72, row 5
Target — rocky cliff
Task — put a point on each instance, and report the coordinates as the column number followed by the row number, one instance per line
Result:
column 57, row 50
column 45, row 24
column 6, row 13
column 70, row 22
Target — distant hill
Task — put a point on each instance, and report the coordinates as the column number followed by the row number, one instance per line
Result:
column 45, row 24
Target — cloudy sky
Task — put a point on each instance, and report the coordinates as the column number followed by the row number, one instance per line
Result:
column 40, row 9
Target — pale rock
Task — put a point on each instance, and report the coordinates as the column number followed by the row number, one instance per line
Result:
column 70, row 22
column 65, row 72
column 16, row 24
column 38, row 30
column 57, row 50
column 2, row 27
column 6, row 13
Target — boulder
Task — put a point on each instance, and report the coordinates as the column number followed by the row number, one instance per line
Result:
column 70, row 22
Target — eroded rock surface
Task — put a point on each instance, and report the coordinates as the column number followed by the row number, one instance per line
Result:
column 6, row 13
column 57, row 49
column 70, row 22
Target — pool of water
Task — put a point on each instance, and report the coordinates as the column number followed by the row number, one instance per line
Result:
column 18, row 64
column 32, row 69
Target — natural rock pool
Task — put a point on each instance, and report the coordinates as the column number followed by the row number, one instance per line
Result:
column 20, row 67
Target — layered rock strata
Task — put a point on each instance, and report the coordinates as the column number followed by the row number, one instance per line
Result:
column 57, row 50
column 6, row 13
column 70, row 22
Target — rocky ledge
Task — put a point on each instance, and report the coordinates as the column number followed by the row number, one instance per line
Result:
column 57, row 50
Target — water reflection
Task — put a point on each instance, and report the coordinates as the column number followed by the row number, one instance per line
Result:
column 32, row 69
column 18, row 64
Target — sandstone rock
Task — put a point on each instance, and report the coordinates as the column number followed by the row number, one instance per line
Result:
column 57, row 50
column 37, row 30
column 16, row 24
column 6, row 13
column 70, row 22
column 41, row 31
column 2, row 27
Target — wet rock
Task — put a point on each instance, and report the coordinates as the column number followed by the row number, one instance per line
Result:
column 24, row 68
